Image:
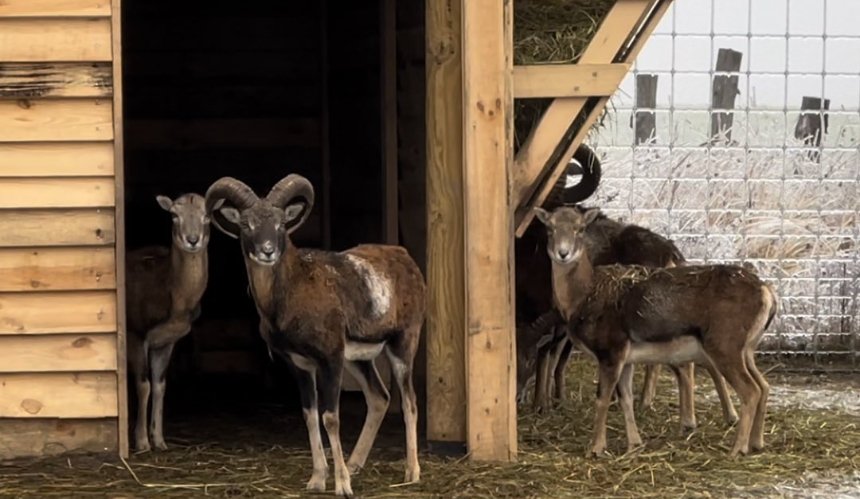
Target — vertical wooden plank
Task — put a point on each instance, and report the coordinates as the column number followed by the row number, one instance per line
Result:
column 725, row 89
column 487, row 145
column 388, row 125
column 325, row 158
column 121, row 372
column 446, row 378
column 645, row 120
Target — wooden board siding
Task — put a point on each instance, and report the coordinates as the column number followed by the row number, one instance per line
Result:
column 57, row 269
column 48, row 437
column 56, row 159
column 43, row 120
column 61, row 352
column 58, row 395
column 80, row 227
column 43, row 40
column 59, row 359
column 57, row 312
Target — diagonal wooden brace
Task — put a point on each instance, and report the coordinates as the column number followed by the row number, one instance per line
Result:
column 547, row 151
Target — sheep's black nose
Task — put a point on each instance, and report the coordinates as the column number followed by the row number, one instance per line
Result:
column 563, row 253
column 268, row 250
column 192, row 239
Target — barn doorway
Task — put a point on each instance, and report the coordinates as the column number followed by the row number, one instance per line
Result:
column 258, row 91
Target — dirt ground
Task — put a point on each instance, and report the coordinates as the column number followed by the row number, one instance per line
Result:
column 813, row 437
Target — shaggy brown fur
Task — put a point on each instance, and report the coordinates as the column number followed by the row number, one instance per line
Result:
column 324, row 312
column 623, row 315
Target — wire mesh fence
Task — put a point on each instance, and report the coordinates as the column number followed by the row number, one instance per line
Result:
column 737, row 134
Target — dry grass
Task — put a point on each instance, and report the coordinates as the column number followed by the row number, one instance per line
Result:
column 264, row 453
column 551, row 31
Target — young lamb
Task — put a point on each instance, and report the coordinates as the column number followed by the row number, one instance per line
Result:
column 324, row 311
column 163, row 291
column 626, row 314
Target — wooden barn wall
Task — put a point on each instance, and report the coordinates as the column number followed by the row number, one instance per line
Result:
column 58, row 270
column 216, row 89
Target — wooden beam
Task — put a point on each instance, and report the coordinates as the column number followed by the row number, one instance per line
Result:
column 56, row 159
column 446, row 338
column 119, row 228
column 57, row 312
column 25, row 80
column 55, row 39
column 487, row 145
column 58, row 395
column 57, row 353
column 57, row 269
column 637, row 18
column 90, row 227
column 48, row 437
column 388, row 114
column 568, row 80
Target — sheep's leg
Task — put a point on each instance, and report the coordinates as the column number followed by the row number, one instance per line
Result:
column 306, row 381
column 685, row 396
column 158, row 362
column 649, row 387
column 330, row 377
column 625, row 395
column 168, row 332
column 608, row 375
column 541, row 381
column 554, row 356
column 757, row 432
column 729, row 411
column 564, row 356
column 140, row 375
column 401, row 366
column 733, row 368
column 377, row 398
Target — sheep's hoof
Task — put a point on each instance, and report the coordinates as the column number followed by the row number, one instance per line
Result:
column 732, row 419
column 353, row 468
column 687, row 429
column 159, row 444
column 142, row 446
column 412, row 475
column 757, row 446
column 597, row 451
column 344, row 491
column 738, row 451
column 317, row 483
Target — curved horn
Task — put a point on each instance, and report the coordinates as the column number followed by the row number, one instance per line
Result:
column 233, row 191
column 289, row 190
column 591, row 173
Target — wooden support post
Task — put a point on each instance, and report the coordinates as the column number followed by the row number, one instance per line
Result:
column 809, row 124
column 446, row 334
column 119, row 220
column 646, row 101
column 487, row 154
column 388, row 123
column 725, row 90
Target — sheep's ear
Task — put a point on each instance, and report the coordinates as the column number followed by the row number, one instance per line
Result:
column 591, row 215
column 544, row 340
column 165, row 202
column 231, row 214
column 542, row 215
column 294, row 213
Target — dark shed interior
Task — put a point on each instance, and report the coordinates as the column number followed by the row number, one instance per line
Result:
column 257, row 90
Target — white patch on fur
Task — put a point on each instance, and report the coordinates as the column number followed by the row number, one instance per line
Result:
column 378, row 285
column 362, row 351
column 303, row 363
column 676, row 351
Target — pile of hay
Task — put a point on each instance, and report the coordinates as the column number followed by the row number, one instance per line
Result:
column 263, row 452
column 551, row 31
